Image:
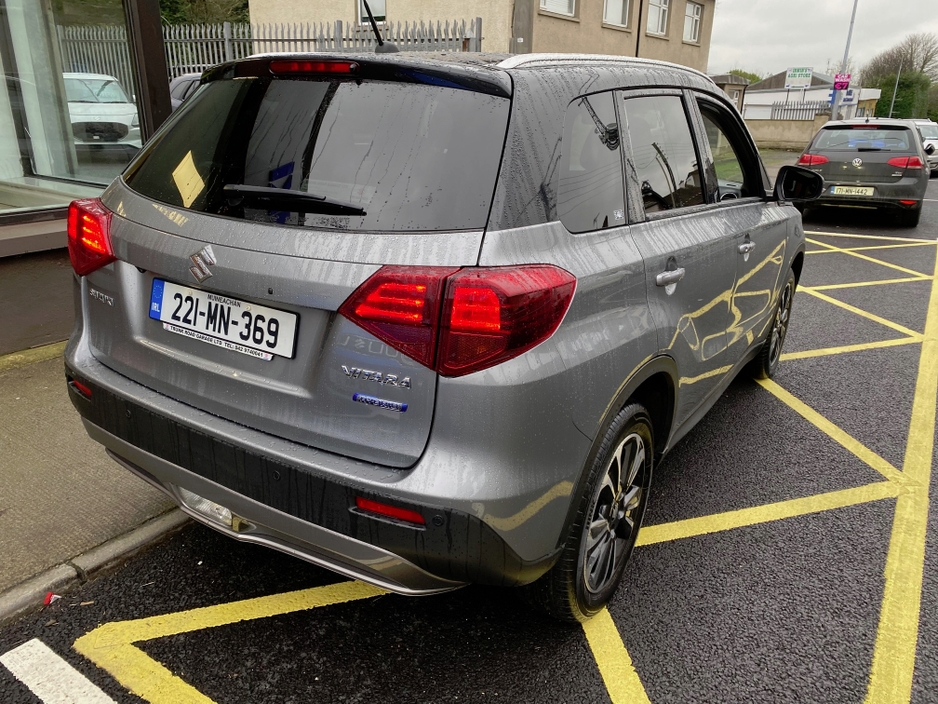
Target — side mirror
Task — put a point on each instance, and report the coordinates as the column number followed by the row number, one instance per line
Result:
column 930, row 149
column 797, row 183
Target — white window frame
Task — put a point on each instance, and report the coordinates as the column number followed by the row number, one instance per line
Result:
column 623, row 21
column 380, row 17
column 693, row 15
column 663, row 8
column 553, row 6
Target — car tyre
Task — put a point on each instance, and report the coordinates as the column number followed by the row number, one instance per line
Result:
column 766, row 364
column 606, row 526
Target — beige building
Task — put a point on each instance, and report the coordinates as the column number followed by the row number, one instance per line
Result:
column 671, row 30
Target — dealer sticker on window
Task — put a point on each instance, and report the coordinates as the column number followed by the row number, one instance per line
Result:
column 223, row 321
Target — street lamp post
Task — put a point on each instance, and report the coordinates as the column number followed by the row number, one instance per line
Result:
column 835, row 109
column 895, row 90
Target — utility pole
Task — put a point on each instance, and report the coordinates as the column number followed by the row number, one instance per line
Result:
column 835, row 109
column 895, row 90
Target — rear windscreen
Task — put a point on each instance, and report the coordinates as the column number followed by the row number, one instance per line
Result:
column 355, row 155
column 880, row 138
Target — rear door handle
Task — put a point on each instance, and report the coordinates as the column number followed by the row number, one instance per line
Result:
column 746, row 247
column 666, row 278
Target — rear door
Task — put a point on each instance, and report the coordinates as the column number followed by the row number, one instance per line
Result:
column 254, row 214
column 690, row 259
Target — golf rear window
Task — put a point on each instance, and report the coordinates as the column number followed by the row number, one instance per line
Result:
column 861, row 137
column 384, row 156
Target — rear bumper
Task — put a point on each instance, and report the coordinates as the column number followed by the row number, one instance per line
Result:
column 885, row 195
column 288, row 507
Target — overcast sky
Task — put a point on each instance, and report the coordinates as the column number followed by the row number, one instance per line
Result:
column 768, row 36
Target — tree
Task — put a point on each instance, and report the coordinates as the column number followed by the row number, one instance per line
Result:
column 748, row 75
column 198, row 11
column 917, row 53
column 911, row 97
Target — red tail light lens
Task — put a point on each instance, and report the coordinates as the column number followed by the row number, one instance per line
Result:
column 89, row 242
column 462, row 321
column 401, row 514
column 906, row 162
column 291, row 66
column 812, row 160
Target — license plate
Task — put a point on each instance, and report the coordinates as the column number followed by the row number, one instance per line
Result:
column 851, row 191
column 223, row 321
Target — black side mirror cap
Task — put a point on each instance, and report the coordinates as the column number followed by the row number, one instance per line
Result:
column 795, row 183
column 930, row 149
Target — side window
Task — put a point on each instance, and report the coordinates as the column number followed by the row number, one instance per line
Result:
column 733, row 177
column 663, row 152
column 589, row 190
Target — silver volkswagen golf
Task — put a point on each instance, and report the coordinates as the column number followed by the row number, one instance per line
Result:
column 428, row 321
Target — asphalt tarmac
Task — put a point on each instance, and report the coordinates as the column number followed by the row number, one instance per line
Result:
column 789, row 553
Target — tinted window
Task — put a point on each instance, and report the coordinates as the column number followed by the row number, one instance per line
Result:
column 861, row 137
column 663, row 152
column 589, row 191
column 412, row 157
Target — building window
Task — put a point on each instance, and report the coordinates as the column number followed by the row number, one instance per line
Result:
column 692, row 14
column 616, row 12
column 378, row 9
column 658, row 16
column 561, row 7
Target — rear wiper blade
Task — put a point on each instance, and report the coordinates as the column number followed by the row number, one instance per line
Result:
column 871, row 149
column 285, row 199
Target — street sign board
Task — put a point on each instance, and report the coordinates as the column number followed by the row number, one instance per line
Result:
column 799, row 77
column 842, row 81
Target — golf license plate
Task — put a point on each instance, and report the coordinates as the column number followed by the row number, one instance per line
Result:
column 851, row 191
column 223, row 321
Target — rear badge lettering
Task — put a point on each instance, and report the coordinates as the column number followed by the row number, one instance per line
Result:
column 380, row 403
column 103, row 297
column 384, row 379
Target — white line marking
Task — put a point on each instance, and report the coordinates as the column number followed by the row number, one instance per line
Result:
column 49, row 677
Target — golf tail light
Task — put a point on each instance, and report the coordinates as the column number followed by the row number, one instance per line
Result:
column 89, row 242
column 906, row 162
column 812, row 160
column 401, row 514
column 458, row 321
column 281, row 66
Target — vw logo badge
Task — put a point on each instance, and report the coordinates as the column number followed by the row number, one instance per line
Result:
column 858, row 162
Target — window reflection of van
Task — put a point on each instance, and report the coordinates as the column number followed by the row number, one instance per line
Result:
column 100, row 112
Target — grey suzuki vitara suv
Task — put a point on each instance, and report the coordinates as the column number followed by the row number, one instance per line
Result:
column 428, row 321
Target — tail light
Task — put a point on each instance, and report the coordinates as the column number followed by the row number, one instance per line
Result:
column 812, row 160
column 89, row 242
column 906, row 162
column 280, row 66
column 459, row 321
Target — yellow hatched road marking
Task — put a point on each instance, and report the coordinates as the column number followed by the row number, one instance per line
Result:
column 614, row 661
column 719, row 522
column 870, row 247
column 897, row 638
column 860, row 284
column 849, row 235
column 869, row 316
column 851, row 253
column 844, row 349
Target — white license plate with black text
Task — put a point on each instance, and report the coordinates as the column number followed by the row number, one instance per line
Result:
column 851, row 191
column 223, row 321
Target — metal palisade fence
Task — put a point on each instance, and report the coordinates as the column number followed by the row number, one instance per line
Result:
column 799, row 111
column 192, row 48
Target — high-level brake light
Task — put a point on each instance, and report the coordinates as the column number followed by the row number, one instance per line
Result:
column 89, row 242
column 459, row 321
column 286, row 66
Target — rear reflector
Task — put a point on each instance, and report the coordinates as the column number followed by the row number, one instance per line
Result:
column 401, row 514
column 906, row 162
column 80, row 388
column 812, row 160
column 290, row 66
column 908, row 202
column 89, row 242
column 458, row 321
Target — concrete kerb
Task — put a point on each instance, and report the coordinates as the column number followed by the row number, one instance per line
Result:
column 29, row 594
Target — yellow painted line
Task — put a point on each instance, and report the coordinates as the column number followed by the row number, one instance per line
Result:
column 862, row 347
column 111, row 648
column 716, row 523
column 897, row 637
column 849, row 235
column 852, row 253
column 868, row 248
column 614, row 661
column 860, row 284
column 834, row 432
column 37, row 354
column 869, row 316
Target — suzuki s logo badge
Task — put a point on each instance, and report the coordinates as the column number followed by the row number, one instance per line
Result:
column 201, row 261
column 858, row 162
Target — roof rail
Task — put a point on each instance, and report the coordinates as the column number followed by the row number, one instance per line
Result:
column 532, row 60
